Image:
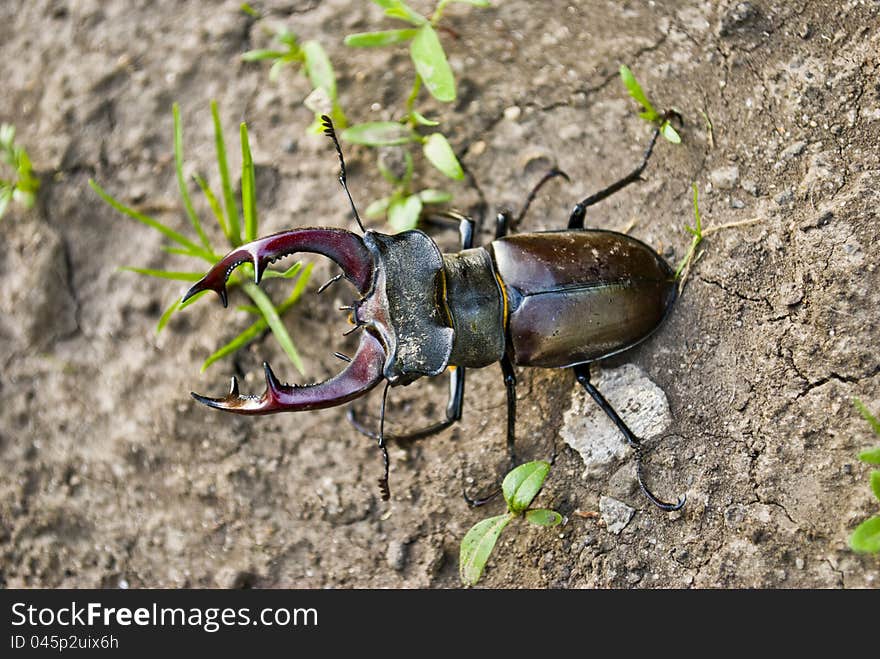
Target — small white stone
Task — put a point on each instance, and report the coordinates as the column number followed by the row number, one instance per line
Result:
column 616, row 514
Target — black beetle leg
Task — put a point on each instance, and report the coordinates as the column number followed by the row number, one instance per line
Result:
column 453, row 413
column 510, row 385
column 582, row 373
column 383, row 481
column 576, row 220
column 505, row 223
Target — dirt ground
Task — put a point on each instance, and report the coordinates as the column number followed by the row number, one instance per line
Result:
column 112, row 476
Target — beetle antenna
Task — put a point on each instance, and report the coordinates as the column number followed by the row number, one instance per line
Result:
column 383, row 481
column 331, row 133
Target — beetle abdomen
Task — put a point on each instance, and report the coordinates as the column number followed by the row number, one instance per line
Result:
column 578, row 296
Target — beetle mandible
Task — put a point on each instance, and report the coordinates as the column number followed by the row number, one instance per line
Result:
column 552, row 299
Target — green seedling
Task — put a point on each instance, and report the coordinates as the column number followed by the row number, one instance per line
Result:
column 520, row 487
column 866, row 537
column 229, row 216
column 649, row 113
column 22, row 188
column 404, row 205
column 317, row 66
column 698, row 233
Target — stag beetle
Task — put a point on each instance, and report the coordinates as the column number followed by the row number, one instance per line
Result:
column 553, row 299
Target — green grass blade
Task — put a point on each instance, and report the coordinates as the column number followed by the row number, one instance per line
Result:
column 228, row 197
column 251, row 333
column 259, row 326
column 181, row 182
column 377, row 39
column 213, row 203
column 273, row 320
column 297, row 291
column 287, row 274
column 248, row 187
column 194, row 249
column 166, row 315
column 165, row 274
column 261, row 54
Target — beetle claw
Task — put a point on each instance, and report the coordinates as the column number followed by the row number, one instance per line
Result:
column 343, row 247
column 362, row 374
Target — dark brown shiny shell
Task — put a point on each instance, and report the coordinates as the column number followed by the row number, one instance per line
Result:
column 578, row 296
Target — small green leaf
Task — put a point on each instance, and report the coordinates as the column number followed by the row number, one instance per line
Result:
column 248, row 186
column 871, row 456
column 273, row 320
column 875, row 483
column 543, row 517
column 440, row 153
column 377, row 208
column 431, row 64
column 866, row 537
column 477, row 546
column 378, row 133
column 250, row 11
column 522, row 484
column 261, row 54
column 422, row 120
column 403, row 214
column 165, row 274
column 870, row 418
column 383, row 38
column 399, row 9
column 635, row 90
column 431, row 196
column 670, row 133
column 319, row 68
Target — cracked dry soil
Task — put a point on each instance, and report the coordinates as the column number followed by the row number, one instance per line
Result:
column 113, row 476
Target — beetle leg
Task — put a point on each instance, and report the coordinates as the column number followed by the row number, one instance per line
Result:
column 582, row 373
column 453, row 413
column 383, row 481
column 510, row 385
column 454, row 219
column 576, row 220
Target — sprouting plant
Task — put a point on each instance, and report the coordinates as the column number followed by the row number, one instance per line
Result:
column 698, row 233
column 663, row 120
column 23, row 187
column 519, row 487
column 681, row 272
column 404, row 206
column 866, row 537
column 318, row 68
column 237, row 225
